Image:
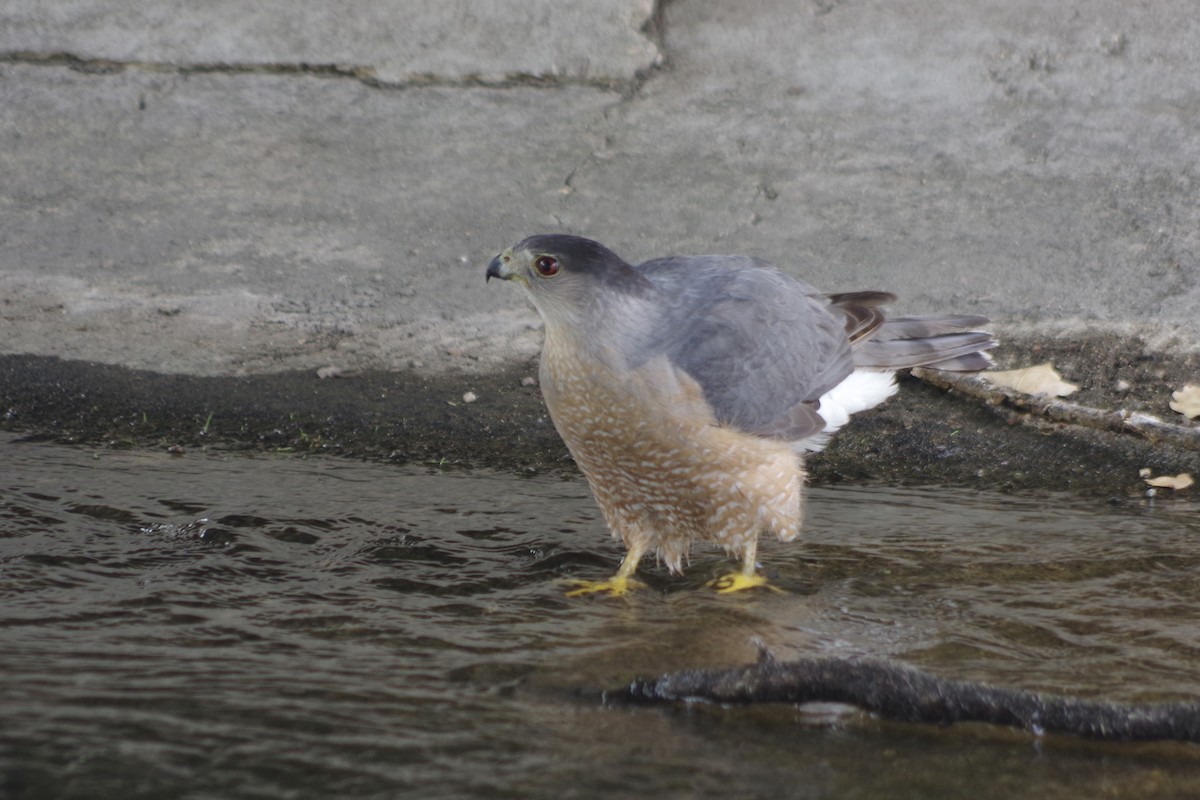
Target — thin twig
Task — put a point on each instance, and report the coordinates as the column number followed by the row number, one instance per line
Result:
column 1056, row 410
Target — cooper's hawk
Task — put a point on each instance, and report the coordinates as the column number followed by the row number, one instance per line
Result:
column 689, row 388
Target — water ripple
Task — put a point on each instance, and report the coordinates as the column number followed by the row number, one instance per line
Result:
column 194, row 626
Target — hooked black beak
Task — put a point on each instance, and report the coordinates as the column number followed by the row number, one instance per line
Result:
column 493, row 269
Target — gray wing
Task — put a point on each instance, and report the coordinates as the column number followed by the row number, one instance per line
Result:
column 763, row 346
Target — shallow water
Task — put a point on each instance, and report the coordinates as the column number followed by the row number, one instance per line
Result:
column 211, row 626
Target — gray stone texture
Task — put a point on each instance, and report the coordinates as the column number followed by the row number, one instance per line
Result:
column 1034, row 162
column 393, row 41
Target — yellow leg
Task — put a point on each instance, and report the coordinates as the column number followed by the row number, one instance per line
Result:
column 618, row 584
column 748, row 578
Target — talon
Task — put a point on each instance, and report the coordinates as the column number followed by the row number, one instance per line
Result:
column 615, row 586
column 739, row 581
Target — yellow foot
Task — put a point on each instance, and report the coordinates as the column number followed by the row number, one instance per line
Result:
column 738, row 581
column 615, row 586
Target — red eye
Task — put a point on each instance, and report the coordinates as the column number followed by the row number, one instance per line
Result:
column 546, row 266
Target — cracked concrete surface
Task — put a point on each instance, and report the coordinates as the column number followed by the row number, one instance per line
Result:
column 222, row 189
column 389, row 41
column 196, row 224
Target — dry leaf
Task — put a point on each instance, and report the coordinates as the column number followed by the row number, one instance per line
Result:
column 1042, row 379
column 1187, row 400
column 1176, row 482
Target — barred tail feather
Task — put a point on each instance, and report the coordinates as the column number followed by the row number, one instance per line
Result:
column 946, row 343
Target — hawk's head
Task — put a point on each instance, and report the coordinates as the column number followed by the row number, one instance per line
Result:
column 567, row 275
